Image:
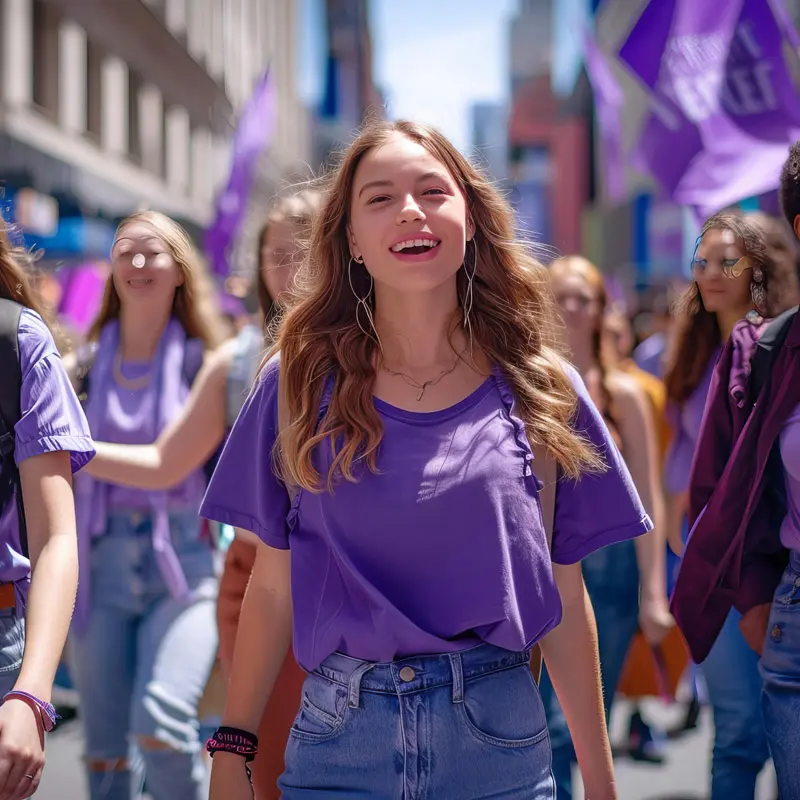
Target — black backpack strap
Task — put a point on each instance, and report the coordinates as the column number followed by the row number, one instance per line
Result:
column 10, row 412
column 766, row 352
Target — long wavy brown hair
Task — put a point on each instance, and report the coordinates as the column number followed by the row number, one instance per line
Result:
column 193, row 305
column 512, row 321
column 591, row 275
column 14, row 282
column 767, row 244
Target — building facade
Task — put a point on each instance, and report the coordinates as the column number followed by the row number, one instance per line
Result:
column 111, row 106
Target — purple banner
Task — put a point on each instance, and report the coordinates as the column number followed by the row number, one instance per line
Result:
column 723, row 106
column 253, row 135
column 608, row 100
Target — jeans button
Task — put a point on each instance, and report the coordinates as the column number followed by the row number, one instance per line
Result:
column 407, row 674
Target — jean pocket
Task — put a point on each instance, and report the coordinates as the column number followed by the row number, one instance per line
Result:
column 788, row 592
column 323, row 710
column 504, row 709
column 12, row 643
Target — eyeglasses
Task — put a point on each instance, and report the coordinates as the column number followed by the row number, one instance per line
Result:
column 730, row 267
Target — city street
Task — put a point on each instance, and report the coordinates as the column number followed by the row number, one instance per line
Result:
column 685, row 777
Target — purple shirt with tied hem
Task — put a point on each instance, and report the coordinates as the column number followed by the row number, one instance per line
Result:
column 51, row 420
column 445, row 547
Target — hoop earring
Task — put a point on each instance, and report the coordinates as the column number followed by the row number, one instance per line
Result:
column 757, row 291
column 361, row 302
column 468, row 295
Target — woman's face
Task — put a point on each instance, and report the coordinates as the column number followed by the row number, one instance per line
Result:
column 579, row 305
column 279, row 257
column 142, row 266
column 408, row 218
column 719, row 252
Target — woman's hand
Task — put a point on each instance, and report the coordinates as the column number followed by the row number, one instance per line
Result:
column 229, row 780
column 655, row 620
column 21, row 750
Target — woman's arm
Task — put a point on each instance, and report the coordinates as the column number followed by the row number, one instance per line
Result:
column 573, row 664
column 676, row 508
column 262, row 641
column 183, row 446
column 52, row 542
column 639, row 447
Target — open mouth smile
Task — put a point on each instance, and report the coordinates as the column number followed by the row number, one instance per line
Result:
column 418, row 249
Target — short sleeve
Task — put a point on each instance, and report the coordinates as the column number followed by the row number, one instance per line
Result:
column 51, row 417
column 598, row 509
column 244, row 490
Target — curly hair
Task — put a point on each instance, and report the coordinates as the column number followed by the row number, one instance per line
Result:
column 790, row 185
column 769, row 247
column 513, row 321
column 193, row 305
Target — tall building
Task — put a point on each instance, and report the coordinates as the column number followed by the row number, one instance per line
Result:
column 108, row 105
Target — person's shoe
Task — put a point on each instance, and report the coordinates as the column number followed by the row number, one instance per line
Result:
column 689, row 721
column 645, row 744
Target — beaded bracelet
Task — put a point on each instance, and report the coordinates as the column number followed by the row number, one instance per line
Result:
column 233, row 740
column 46, row 711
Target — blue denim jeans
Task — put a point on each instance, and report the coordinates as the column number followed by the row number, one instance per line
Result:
column 734, row 692
column 780, row 670
column 612, row 581
column 12, row 646
column 466, row 726
column 144, row 659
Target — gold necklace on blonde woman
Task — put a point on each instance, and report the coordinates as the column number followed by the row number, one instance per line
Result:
column 425, row 384
column 132, row 384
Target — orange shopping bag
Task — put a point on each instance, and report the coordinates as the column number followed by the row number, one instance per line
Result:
column 654, row 673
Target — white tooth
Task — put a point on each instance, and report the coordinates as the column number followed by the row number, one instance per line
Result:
column 417, row 242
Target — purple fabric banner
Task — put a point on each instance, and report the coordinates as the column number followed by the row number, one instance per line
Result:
column 723, row 106
column 253, row 135
column 608, row 100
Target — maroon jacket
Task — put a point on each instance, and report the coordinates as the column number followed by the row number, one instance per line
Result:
column 734, row 557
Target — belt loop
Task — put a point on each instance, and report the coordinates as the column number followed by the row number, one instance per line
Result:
column 354, row 688
column 458, row 677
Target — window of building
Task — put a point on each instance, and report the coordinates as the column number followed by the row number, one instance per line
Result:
column 134, row 118
column 45, row 57
column 94, row 90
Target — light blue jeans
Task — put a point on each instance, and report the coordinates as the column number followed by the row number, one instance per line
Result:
column 143, row 661
column 780, row 670
column 612, row 581
column 734, row 692
column 12, row 646
column 466, row 726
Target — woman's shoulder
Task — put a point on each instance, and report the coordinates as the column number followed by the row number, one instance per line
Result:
column 35, row 340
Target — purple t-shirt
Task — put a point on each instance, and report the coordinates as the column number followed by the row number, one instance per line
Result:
column 790, row 455
column 686, row 423
column 51, row 420
column 445, row 547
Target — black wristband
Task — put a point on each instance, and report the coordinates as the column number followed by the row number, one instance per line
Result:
column 233, row 740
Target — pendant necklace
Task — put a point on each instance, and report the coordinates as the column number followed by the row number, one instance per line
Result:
column 421, row 387
column 132, row 384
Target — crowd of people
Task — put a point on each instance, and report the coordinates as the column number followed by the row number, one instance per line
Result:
column 420, row 515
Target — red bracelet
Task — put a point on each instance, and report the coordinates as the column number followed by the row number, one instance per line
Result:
column 46, row 711
column 233, row 740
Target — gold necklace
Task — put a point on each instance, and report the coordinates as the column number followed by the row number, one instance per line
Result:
column 129, row 383
column 425, row 384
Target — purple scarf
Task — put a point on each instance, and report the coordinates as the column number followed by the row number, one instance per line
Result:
column 90, row 494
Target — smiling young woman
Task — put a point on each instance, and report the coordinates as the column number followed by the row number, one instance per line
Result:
column 144, row 636
column 398, row 501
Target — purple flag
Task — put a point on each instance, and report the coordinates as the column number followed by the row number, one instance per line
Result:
column 608, row 100
column 723, row 106
column 253, row 135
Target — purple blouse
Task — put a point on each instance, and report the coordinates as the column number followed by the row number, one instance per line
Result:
column 51, row 420
column 790, row 455
column 442, row 549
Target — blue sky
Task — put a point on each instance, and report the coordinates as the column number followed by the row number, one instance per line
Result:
column 434, row 58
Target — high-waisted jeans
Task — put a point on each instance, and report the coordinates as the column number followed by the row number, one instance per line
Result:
column 144, row 659
column 460, row 726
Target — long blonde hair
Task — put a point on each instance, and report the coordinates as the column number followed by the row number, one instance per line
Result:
column 193, row 305
column 14, row 282
column 512, row 321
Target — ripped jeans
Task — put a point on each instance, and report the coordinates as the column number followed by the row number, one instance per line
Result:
column 143, row 662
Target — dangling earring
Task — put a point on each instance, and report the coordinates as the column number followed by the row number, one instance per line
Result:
column 361, row 302
column 467, row 301
column 757, row 291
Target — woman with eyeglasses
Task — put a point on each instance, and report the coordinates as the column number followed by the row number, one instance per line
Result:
column 144, row 634
column 735, row 276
